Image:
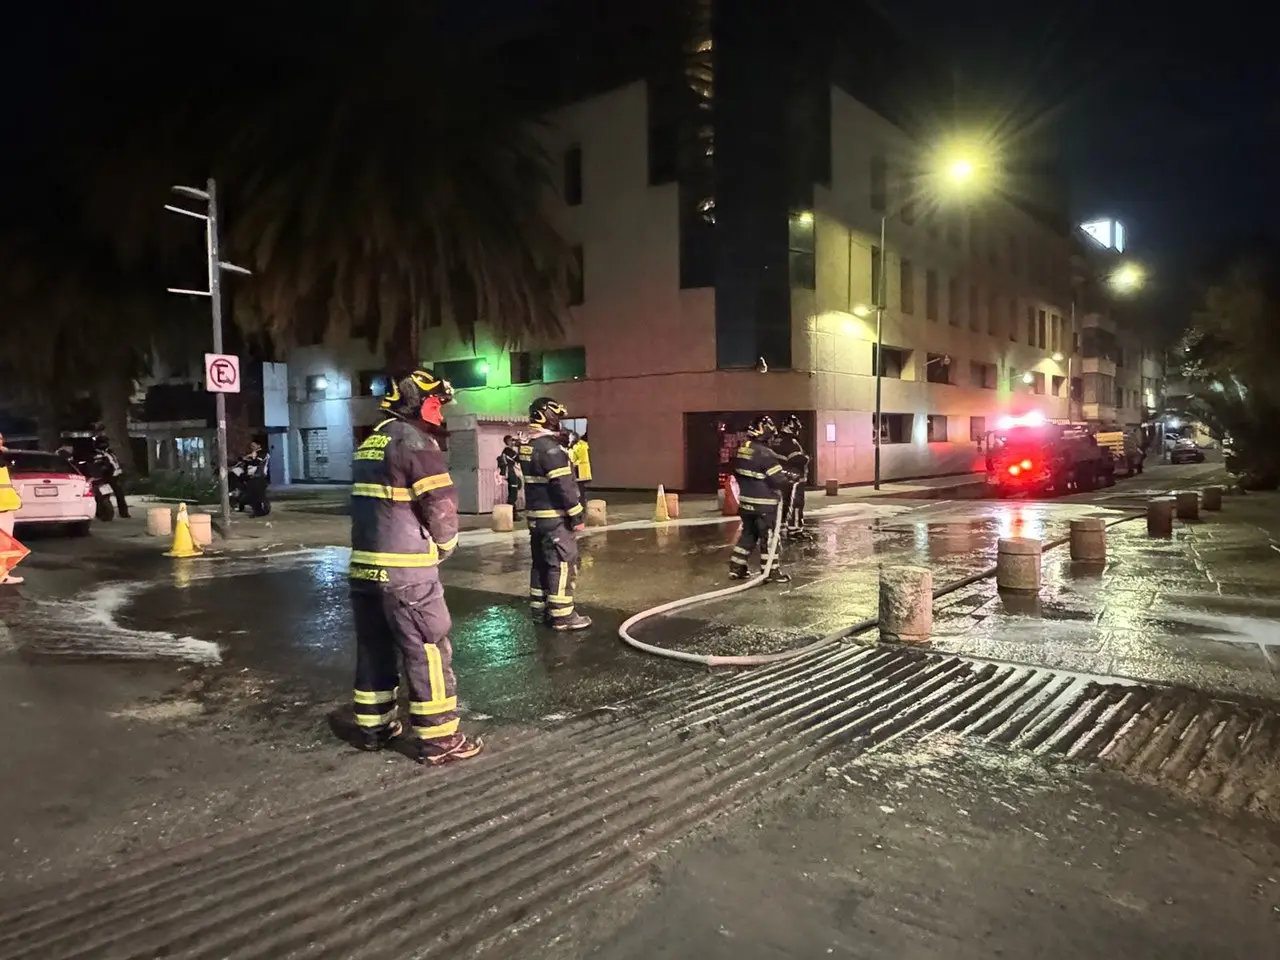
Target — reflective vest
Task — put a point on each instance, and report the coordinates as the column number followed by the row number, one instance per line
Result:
column 9, row 499
column 580, row 457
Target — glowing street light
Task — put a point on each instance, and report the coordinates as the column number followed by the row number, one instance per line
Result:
column 1128, row 278
column 862, row 310
column 961, row 170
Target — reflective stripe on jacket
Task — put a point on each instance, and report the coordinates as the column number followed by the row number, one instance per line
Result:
column 404, row 506
column 760, row 476
column 549, row 487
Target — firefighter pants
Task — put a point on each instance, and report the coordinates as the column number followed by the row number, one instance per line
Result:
column 406, row 622
column 513, row 497
column 757, row 529
column 793, row 519
column 554, row 570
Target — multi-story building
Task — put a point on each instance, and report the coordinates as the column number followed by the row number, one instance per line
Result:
column 726, row 220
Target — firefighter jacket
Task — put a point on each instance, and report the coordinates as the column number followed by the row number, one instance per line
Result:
column 549, row 488
column 760, row 476
column 794, row 460
column 404, row 506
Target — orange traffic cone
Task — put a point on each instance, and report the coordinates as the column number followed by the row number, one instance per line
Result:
column 183, row 544
column 730, row 507
column 11, row 554
column 660, row 513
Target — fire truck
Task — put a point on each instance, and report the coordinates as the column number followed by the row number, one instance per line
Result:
column 1030, row 454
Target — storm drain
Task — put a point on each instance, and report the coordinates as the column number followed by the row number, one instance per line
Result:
column 461, row 861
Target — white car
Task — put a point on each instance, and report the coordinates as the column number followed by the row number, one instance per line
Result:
column 52, row 491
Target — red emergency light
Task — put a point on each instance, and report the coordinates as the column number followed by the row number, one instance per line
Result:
column 1017, row 468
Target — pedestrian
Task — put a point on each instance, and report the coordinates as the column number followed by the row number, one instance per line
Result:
column 796, row 462
column 509, row 473
column 580, row 457
column 404, row 522
column 762, row 480
column 109, row 473
column 554, row 509
column 10, row 504
column 255, row 479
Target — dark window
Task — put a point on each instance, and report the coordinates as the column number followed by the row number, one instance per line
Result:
column 977, row 428
column 937, row 428
column 1040, row 324
column 907, row 282
column 801, row 249
column 569, row 363
column 1057, row 385
column 906, row 199
column 464, row 374
column 573, row 176
column 878, row 297
column 894, row 362
column 663, row 153
column 879, row 184
column 317, row 387
column 1037, row 384
column 975, row 321
column 1077, row 388
column 993, row 315
column 1031, row 326
column 931, row 294
column 953, row 302
column 895, row 428
column 578, row 278
column 526, row 367
column 937, row 368
column 982, row 375
column 374, row 383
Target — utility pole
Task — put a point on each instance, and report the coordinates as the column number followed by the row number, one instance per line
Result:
column 210, row 217
column 880, row 305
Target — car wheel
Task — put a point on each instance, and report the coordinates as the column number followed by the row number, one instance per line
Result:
column 80, row 528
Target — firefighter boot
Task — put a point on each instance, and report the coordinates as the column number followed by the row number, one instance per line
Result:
column 777, row 576
column 377, row 738
column 575, row 621
column 460, row 747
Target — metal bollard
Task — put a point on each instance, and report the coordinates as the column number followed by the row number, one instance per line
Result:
column 1089, row 539
column 1188, row 505
column 503, row 518
column 1212, row 498
column 906, row 604
column 1018, row 564
column 833, row 488
column 1160, row 517
column 597, row 513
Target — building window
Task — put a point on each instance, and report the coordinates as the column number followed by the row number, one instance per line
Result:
column 1056, row 327
column 573, row 176
column 953, row 302
column 937, row 425
column 1013, row 319
column 1040, row 325
column 895, row 428
column 937, row 368
column 993, row 314
column 526, row 367
column 1058, row 383
column 1031, row 326
column 982, row 375
column 977, row 428
column 895, row 361
column 906, row 200
column 801, row 249
column 317, row 387
column 878, row 297
column 464, row 374
column 975, row 321
column 568, row 363
column 907, row 283
column 1037, row 384
column 577, row 278
column 931, row 294
column 374, row 383
column 879, row 184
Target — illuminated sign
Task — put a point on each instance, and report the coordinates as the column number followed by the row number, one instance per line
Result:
column 1108, row 234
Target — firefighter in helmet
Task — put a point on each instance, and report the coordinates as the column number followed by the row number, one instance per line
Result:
column 404, row 522
column 762, row 480
column 553, row 507
column 795, row 461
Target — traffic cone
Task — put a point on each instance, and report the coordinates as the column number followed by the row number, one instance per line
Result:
column 730, row 507
column 660, row 514
column 183, row 544
column 11, row 554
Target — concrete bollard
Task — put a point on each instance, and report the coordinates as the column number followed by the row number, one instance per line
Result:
column 906, row 604
column 833, row 488
column 1089, row 539
column 160, row 521
column 504, row 520
column 1188, row 505
column 201, row 528
column 1160, row 517
column 1212, row 498
column 597, row 513
column 673, row 505
column 1018, row 564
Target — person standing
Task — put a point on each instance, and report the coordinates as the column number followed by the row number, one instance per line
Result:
column 404, row 522
column 796, row 462
column 554, row 509
column 10, row 504
column 761, row 481
column 255, row 480
column 580, row 457
column 110, row 474
column 509, row 472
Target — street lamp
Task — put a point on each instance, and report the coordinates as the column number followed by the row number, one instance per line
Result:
column 957, row 166
column 1127, row 278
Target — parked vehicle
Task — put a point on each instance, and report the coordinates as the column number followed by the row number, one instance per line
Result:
column 53, row 491
column 1125, row 451
column 1184, row 450
column 1030, row 455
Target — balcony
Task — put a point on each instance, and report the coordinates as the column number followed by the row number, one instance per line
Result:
column 1102, row 412
column 1098, row 365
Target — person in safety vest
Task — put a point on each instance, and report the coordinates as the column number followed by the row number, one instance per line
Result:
column 796, row 462
column 10, row 503
column 554, row 509
column 580, row 457
column 762, row 479
column 404, row 522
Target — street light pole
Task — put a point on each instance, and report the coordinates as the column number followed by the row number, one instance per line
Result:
column 880, row 305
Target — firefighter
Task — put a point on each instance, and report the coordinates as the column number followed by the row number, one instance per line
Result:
column 761, row 481
column 509, row 473
column 554, row 510
column 796, row 462
column 404, row 522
